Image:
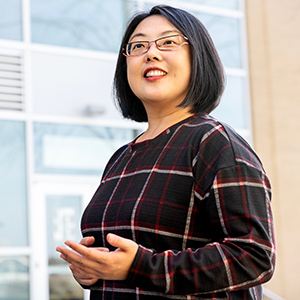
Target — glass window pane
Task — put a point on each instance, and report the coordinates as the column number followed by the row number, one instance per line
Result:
column 66, row 85
column 225, row 33
column 11, row 19
column 63, row 213
column 94, row 24
column 13, row 212
column 232, row 108
column 229, row 4
column 75, row 149
column 14, row 278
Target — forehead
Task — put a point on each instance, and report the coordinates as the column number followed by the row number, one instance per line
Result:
column 153, row 27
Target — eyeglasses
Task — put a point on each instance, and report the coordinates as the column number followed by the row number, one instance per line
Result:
column 167, row 43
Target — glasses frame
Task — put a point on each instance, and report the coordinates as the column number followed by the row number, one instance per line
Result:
column 186, row 42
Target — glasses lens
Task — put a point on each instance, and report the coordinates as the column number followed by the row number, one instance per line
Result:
column 170, row 42
column 136, row 48
column 167, row 43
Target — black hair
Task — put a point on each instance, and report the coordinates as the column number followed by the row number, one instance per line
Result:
column 207, row 73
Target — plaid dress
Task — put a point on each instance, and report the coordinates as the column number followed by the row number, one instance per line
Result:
column 197, row 201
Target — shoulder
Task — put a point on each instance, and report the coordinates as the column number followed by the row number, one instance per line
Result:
column 221, row 150
column 243, row 151
column 118, row 154
column 218, row 142
column 204, row 128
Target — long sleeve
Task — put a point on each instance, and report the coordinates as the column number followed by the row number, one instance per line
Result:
column 241, row 253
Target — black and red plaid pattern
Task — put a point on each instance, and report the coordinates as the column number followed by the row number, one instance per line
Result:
column 197, row 201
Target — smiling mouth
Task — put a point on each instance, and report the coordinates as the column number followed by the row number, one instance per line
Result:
column 155, row 73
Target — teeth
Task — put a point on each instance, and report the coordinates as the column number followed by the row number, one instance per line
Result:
column 155, row 73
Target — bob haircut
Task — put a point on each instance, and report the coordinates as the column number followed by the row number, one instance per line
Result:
column 207, row 73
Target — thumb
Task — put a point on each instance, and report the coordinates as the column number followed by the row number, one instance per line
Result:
column 119, row 242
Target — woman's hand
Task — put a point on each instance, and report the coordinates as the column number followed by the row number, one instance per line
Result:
column 80, row 278
column 88, row 265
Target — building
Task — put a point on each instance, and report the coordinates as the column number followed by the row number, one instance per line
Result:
column 273, row 47
column 58, row 124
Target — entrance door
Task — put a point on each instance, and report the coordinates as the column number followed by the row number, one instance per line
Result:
column 57, row 210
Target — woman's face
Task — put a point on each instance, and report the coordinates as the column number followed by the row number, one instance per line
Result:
column 159, row 78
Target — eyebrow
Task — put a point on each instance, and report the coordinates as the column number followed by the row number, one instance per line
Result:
column 162, row 34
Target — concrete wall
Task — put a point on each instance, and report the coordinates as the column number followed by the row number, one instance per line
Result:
column 274, row 60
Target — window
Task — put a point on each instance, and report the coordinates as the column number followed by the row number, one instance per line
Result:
column 75, row 149
column 13, row 212
column 63, row 215
column 96, row 25
column 11, row 19
column 67, row 85
column 14, row 277
column 226, row 37
column 228, row 4
column 232, row 108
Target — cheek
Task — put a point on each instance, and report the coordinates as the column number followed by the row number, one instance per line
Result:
column 183, row 64
column 132, row 75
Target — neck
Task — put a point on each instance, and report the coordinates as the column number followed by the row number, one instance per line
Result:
column 159, row 122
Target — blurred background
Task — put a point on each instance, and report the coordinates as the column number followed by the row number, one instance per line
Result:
column 59, row 126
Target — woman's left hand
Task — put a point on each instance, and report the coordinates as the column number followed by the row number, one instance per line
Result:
column 90, row 262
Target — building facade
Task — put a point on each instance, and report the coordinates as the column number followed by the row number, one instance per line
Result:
column 273, row 28
column 59, row 126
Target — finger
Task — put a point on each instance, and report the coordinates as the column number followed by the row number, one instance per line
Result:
column 102, row 249
column 88, row 260
column 81, row 249
column 87, row 241
column 83, row 279
column 90, row 253
column 76, row 259
column 78, row 273
column 59, row 248
column 87, row 282
column 119, row 242
column 63, row 250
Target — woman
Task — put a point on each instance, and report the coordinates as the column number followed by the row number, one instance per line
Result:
column 183, row 211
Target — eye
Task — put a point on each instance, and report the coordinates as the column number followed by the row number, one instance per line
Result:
column 138, row 46
column 169, row 42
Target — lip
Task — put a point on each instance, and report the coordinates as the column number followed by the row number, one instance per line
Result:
column 152, row 69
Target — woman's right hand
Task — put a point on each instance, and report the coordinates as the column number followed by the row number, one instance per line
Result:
column 85, row 279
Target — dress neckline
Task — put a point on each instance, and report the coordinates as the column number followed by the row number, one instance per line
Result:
column 137, row 145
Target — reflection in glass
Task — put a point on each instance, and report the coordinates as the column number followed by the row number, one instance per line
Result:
column 13, row 212
column 231, row 109
column 63, row 215
column 93, row 24
column 75, row 149
column 14, row 278
column 11, row 19
column 226, row 37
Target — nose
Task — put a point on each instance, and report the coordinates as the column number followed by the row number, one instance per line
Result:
column 152, row 46
column 153, row 53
